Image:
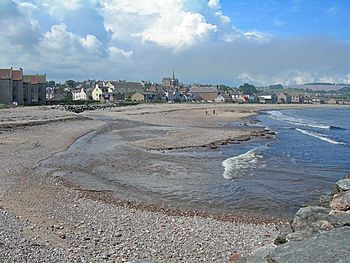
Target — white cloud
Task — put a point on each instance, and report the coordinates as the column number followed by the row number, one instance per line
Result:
column 214, row 4
column 257, row 36
column 177, row 31
column 27, row 5
column 118, row 52
column 224, row 19
column 165, row 23
column 91, row 43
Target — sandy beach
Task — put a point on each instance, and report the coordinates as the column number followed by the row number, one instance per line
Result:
column 43, row 219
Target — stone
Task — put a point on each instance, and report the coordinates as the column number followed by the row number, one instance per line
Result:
column 282, row 236
column 259, row 255
column 343, row 184
column 234, row 257
column 341, row 202
column 309, row 217
column 331, row 246
column 339, row 219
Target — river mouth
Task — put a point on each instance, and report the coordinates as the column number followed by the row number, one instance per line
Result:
column 264, row 180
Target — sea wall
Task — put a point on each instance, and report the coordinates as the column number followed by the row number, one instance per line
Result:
column 316, row 234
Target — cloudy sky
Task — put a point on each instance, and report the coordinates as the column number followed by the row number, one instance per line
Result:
column 228, row 41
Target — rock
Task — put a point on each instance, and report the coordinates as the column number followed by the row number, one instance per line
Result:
column 282, row 236
column 331, row 246
column 341, row 202
column 258, row 255
column 339, row 219
column 62, row 235
column 343, row 184
column 309, row 217
column 234, row 257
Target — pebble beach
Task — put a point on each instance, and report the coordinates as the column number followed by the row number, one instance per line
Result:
column 43, row 219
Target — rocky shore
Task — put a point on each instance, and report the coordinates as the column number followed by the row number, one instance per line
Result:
column 317, row 234
column 43, row 219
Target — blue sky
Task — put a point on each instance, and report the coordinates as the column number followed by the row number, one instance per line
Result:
column 207, row 41
column 290, row 18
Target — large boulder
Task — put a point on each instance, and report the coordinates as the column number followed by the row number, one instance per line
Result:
column 339, row 219
column 331, row 246
column 309, row 217
column 341, row 202
column 326, row 247
column 343, row 184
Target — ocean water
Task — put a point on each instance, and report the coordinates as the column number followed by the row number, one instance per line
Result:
column 310, row 152
column 268, row 177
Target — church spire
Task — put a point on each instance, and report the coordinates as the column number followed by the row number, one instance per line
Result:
column 173, row 73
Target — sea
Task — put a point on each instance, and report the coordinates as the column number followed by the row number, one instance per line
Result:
column 264, row 177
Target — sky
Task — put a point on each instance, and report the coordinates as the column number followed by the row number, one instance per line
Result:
column 207, row 41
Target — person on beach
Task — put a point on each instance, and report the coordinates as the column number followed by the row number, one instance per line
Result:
column 213, row 112
column 206, row 112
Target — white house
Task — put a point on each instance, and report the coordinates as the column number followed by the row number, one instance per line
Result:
column 79, row 94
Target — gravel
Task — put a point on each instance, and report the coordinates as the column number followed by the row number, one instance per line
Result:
column 42, row 220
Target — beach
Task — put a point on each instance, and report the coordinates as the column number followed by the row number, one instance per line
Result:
column 45, row 218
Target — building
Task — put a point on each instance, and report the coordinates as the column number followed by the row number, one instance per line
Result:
column 125, row 87
column 80, row 94
column 222, row 98
column 17, row 86
column 283, row 98
column 269, row 98
column 170, row 82
column 137, row 97
column 97, row 92
column 21, row 89
column 111, row 97
column 204, row 93
column 34, row 89
column 296, row 98
column 6, row 90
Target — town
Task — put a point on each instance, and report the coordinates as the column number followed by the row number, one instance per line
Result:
column 16, row 88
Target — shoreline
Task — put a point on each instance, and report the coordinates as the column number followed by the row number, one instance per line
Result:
column 44, row 219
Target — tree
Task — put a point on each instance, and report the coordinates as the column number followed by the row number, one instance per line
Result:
column 248, row 89
column 70, row 83
column 51, row 83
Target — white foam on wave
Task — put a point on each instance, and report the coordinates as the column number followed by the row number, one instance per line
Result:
column 236, row 165
column 320, row 136
column 277, row 115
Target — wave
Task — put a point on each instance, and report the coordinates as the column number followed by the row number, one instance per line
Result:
column 277, row 115
column 234, row 166
column 320, row 136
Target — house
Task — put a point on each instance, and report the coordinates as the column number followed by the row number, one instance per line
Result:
column 98, row 90
column 270, row 98
column 204, row 93
column 125, row 87
column 222, row 98
column 22, row 89
column 111, row 97
column 137, row 97
column 6, row 90
column 34, row 89
column 283, row 98
column 296, row 98
column 80, row 94
column 174, row 95
column 17, row 86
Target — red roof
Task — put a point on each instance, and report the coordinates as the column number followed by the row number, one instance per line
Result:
column 34, row 79
column 5, row 73
column 17, row 74
column 42, row 79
